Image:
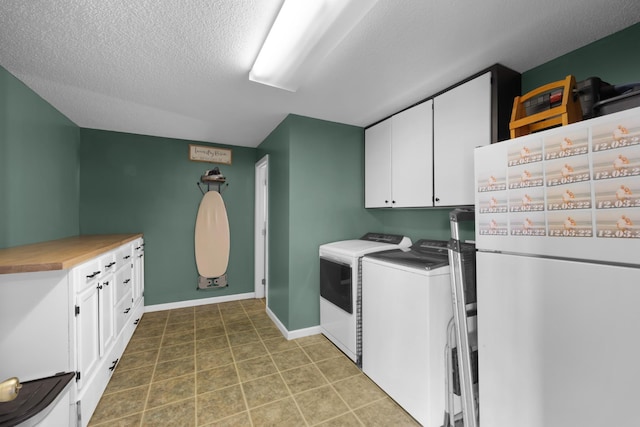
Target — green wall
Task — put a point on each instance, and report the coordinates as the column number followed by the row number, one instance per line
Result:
column 615, row 59
column 315, row 192
column 276, row 145
column 38, row 167
column 135, row 183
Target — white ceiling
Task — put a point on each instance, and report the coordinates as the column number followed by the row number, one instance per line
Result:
column 179, row 68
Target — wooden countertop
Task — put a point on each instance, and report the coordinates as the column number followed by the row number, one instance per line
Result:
column 59, row 254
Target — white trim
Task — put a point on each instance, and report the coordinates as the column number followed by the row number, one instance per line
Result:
column 291, row 335
column 197, row 302
column 261, row 221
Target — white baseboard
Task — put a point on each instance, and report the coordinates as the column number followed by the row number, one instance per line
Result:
column 290, row 335
column 197, row 302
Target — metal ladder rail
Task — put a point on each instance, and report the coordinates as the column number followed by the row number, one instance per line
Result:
column 459, row 299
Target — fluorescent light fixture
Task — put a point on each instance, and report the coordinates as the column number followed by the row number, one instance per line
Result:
column 302, row 35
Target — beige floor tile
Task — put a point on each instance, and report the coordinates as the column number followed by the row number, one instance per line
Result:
column 121, row 404
column 229, row 316
column 220, row 404
column 269, row 332
column 283, row 413
column 176, row 352
column 129, row 421
column 311, row 339
column 208, row 345
column 345, row 420
column 276, row 345
column 303, row 378
column 239, row 326
column 182, row 413
column 216, row 378
column 178, row 338
column 181, row 312
column 255, row 368
column 209, row 330
column 176, row 328
column 338, row 368
column 138, row 360
column 154, row 330
column 384, row 413
column 143, row 344
column 320, row 404
column 249, row 351
column 124, row 379
column 358, row 391
column 321, row 351
column 213, row 359
column 174, row 368
column 241, row 338
column 265, row 390
column 238, row 420
column 169, row 391
column 290, row 359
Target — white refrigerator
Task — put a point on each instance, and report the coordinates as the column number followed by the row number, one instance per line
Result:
column 558, row 276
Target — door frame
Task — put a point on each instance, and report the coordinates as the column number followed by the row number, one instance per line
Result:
column 261, row 222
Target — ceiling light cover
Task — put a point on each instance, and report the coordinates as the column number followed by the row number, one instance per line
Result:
column 303, row 34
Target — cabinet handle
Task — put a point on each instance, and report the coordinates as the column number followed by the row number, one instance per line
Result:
column 140, row 256
column 127, row 281
column 137, row 247
column 135, row 322
column 386, row 201
column 437, row 199
column 106, row 283
column 127, row 257
column 91, row 276
column 127, row 310
column 393, row 201
column 99, row 286
column 113, row 366
column 111, row 264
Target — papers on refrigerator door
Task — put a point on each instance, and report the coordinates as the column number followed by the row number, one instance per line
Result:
column 577, row 183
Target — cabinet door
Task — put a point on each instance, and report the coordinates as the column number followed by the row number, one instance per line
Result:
column 377, row 165
column 88, row 332
column 412, row 157
column 462, row 122
column 106, row 318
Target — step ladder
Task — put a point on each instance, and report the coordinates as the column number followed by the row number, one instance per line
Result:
column 461, row 359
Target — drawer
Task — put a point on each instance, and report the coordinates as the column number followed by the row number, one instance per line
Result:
column 123, row 312
column 123, row 282
column 87, row 273
column 108, row 261
column 124, row 255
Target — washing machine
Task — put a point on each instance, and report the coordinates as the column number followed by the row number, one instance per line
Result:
column 406, row 307
column 340, row 286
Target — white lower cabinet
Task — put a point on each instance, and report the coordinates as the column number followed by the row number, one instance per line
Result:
column 83, row 317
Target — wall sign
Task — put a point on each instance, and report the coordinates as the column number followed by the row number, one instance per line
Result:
column 204, row 153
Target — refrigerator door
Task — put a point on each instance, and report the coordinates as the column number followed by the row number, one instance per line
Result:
column 558, row 342
column 570, row 192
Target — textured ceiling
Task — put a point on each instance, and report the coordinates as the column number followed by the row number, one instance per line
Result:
column 179, row 68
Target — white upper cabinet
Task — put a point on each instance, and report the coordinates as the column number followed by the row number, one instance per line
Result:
column 412, row 156
column 423, row 156
column 398, row 159
column 462, row 122
column 377, row 165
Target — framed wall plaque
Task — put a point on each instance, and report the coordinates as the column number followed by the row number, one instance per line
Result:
column 205, row 153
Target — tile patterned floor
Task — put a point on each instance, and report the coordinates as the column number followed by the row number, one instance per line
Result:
column 228, row 365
